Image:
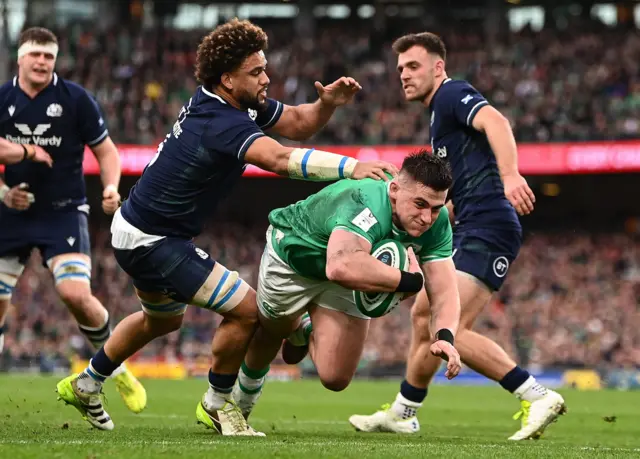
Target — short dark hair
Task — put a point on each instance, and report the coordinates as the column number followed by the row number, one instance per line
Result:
column 225, row 49
column 40, row 35
column 427, row 40
column 427, row 169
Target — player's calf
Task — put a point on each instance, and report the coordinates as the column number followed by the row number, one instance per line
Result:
column 10, row 271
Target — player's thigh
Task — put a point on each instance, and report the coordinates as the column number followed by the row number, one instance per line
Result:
column 282, row 294
column 482, row 259
column 338, row 340
column 167, row 274
column 15, row 249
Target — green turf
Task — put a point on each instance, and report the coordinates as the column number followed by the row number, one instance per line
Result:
column 303, row 420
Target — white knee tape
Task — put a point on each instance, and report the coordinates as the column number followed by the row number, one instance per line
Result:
column 7, row 284
column 71, row 269
column 228, row 290
column 165, row 308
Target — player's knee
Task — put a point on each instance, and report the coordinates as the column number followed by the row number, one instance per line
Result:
column 7, row 285
column 335, row 382
column 245, row 312
column 160, row 325
column 73, row 294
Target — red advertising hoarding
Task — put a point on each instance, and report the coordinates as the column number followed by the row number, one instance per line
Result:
column 533, row 159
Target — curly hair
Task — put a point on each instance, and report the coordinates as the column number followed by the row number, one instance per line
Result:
column 226, row 48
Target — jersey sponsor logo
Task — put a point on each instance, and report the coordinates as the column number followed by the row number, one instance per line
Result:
column 54, row 110
column 365, row 220
column 36, row 136
column 12, row 110
column 500, row 266
column 253, row 114
column 441, row 152
column 71, row 240
column 201, row 253
column 467, row 99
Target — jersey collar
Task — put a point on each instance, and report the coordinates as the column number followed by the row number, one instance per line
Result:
column 446, row 80
column 212, row 95
column 54, row 82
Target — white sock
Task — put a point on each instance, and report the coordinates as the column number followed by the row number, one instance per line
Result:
column 531, row 390
column 404, row 408
column 252, row 386
column 215, row 400
column 86, row 383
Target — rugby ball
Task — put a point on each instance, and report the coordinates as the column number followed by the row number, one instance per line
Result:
column 377, row 304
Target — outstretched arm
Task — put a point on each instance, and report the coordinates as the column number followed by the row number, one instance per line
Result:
column 302, row 121
column 311, row 164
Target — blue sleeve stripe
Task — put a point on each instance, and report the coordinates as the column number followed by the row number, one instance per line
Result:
column 343, row 161
column 305, row 158
column 247, row 143
column 98, row 139
column 217, row 290
column 275, row 117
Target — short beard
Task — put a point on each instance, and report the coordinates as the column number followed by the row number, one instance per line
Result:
column 249, row 101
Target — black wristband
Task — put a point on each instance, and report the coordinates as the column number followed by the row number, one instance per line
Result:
column 26, row 152
column 410, row 282
column 444, row 334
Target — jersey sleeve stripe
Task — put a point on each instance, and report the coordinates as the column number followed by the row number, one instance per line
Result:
column 349, row 230
column 247, row 143
column 474, row 110
column 274, row 119
column 99, row 139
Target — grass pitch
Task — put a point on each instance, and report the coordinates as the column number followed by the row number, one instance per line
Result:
column 303, row 420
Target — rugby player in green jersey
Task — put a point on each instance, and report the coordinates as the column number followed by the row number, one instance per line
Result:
column 318, row 251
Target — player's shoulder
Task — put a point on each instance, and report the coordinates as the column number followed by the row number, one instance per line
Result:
column 452, row 88
column 8, row 87
column 211, row 105
column 372, row 194
column 73, row 89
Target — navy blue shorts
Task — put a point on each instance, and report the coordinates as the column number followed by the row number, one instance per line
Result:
column 173, row 266
column 53, row 233
column 486, row 254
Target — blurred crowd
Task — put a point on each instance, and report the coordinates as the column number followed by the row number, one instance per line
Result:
column 570, row 300
column 553, row 85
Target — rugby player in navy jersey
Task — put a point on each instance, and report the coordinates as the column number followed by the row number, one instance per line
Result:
column 44, row 205
column 218, row 132
column 487, row 192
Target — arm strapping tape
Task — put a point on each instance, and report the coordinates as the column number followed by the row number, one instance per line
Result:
column 315, row 164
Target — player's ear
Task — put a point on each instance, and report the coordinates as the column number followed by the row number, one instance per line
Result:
column 394, row 187
column 226, row 81
column 439, row 67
